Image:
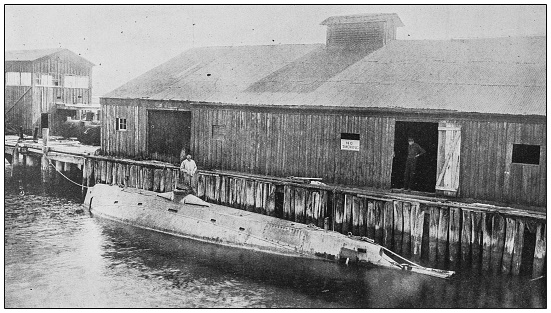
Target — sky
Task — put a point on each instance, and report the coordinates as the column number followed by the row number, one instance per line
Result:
column 125, row 41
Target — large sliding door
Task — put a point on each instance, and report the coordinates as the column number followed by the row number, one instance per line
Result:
column 168, row 132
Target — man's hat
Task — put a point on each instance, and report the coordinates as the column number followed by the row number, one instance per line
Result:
column 410, row 138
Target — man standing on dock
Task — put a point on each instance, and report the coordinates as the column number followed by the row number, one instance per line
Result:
column 189, row 167
column 414, row 151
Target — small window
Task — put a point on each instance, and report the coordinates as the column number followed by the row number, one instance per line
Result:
column 26, row 79
column 56, row 80
column 13, row 79
column 120, row 124
column 218, row 132
column 526, row 154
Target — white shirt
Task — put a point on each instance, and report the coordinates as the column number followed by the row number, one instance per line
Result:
column 188, row 166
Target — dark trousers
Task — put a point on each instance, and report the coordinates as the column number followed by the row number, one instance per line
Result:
column 409, row 172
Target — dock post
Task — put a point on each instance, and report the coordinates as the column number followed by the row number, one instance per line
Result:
column 44, row 161
column 486, row 225
column 339, row 211
column 355, row 215
column 443, row 228
column 371, row 221
column 363, row 217
column 454, row 236
column 466, row 236
column 84, row 181
column 378, row 213
column 58, row 171
column 398, row 226
column 517, row 249
column 406, row 233
column 510, row 232
column 388, row 217
column 417, row 224
column 540, row 251
column 15, row 161
column 476, row 231
column 347, row 219
column 270, row 200
column 498, row 241
column 287, row 200
column 433, row 234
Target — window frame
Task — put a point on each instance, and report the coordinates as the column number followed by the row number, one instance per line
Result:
column 120, row 122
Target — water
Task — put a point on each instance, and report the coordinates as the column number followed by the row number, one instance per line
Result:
column 58, row 256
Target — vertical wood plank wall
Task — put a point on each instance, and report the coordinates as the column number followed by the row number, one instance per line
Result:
column 41, row 99
column 291, row 143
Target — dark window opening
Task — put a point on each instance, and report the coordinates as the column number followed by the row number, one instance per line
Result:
column 218, row 132
column 526, row 154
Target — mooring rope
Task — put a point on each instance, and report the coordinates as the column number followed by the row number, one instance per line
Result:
column 50, row 161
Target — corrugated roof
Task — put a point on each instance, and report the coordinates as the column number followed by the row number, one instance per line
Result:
column 29, row 55
column 498, row 75
column 364, row 18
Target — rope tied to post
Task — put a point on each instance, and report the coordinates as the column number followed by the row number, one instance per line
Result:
column 50, row 162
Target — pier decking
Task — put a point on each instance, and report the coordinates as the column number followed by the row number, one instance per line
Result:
column 436, row 231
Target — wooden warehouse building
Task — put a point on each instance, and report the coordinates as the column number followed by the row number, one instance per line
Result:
column 343, row 111
column 43, row 87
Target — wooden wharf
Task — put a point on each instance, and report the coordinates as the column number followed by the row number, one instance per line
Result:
column 436, row 231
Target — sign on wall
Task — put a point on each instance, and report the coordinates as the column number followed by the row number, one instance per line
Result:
column 350, row 142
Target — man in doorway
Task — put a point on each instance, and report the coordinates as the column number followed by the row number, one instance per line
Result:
column 188, row 167
column 414, row 151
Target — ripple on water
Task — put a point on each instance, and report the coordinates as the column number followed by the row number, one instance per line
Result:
column 56, row 257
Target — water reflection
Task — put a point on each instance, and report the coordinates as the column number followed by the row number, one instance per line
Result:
column 56, row 256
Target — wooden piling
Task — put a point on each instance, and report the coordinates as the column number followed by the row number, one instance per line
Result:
column 114, row 174
column 347, row 219
column 476, row 235
column 312, row 212
column 540, row 251
column 201, row 186
column 58, row 171
column 510, row 232
column 518, row 246
column 249, row 195
column 300, row 205
column 388, row 217
column 217, row 188
column 363, row 217
column 406, row 229
column 486, row 225
column 466, row 236
column 371, row 221
column 398, row 226
column 287, row 201
column 433, row 234
column 338, row 204
column 325, row 215
column 454, row 236
column 355, row 218
column 417, row 223
column 443, row 228
column 379, row 221
column 498, row 242
column 259, row 198
column 109, row 173
column 270, row 200
column 157, row 179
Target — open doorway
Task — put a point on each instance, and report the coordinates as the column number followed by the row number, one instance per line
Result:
column 426, row 135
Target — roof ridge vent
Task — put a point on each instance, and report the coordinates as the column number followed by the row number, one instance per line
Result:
column 361, row 31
